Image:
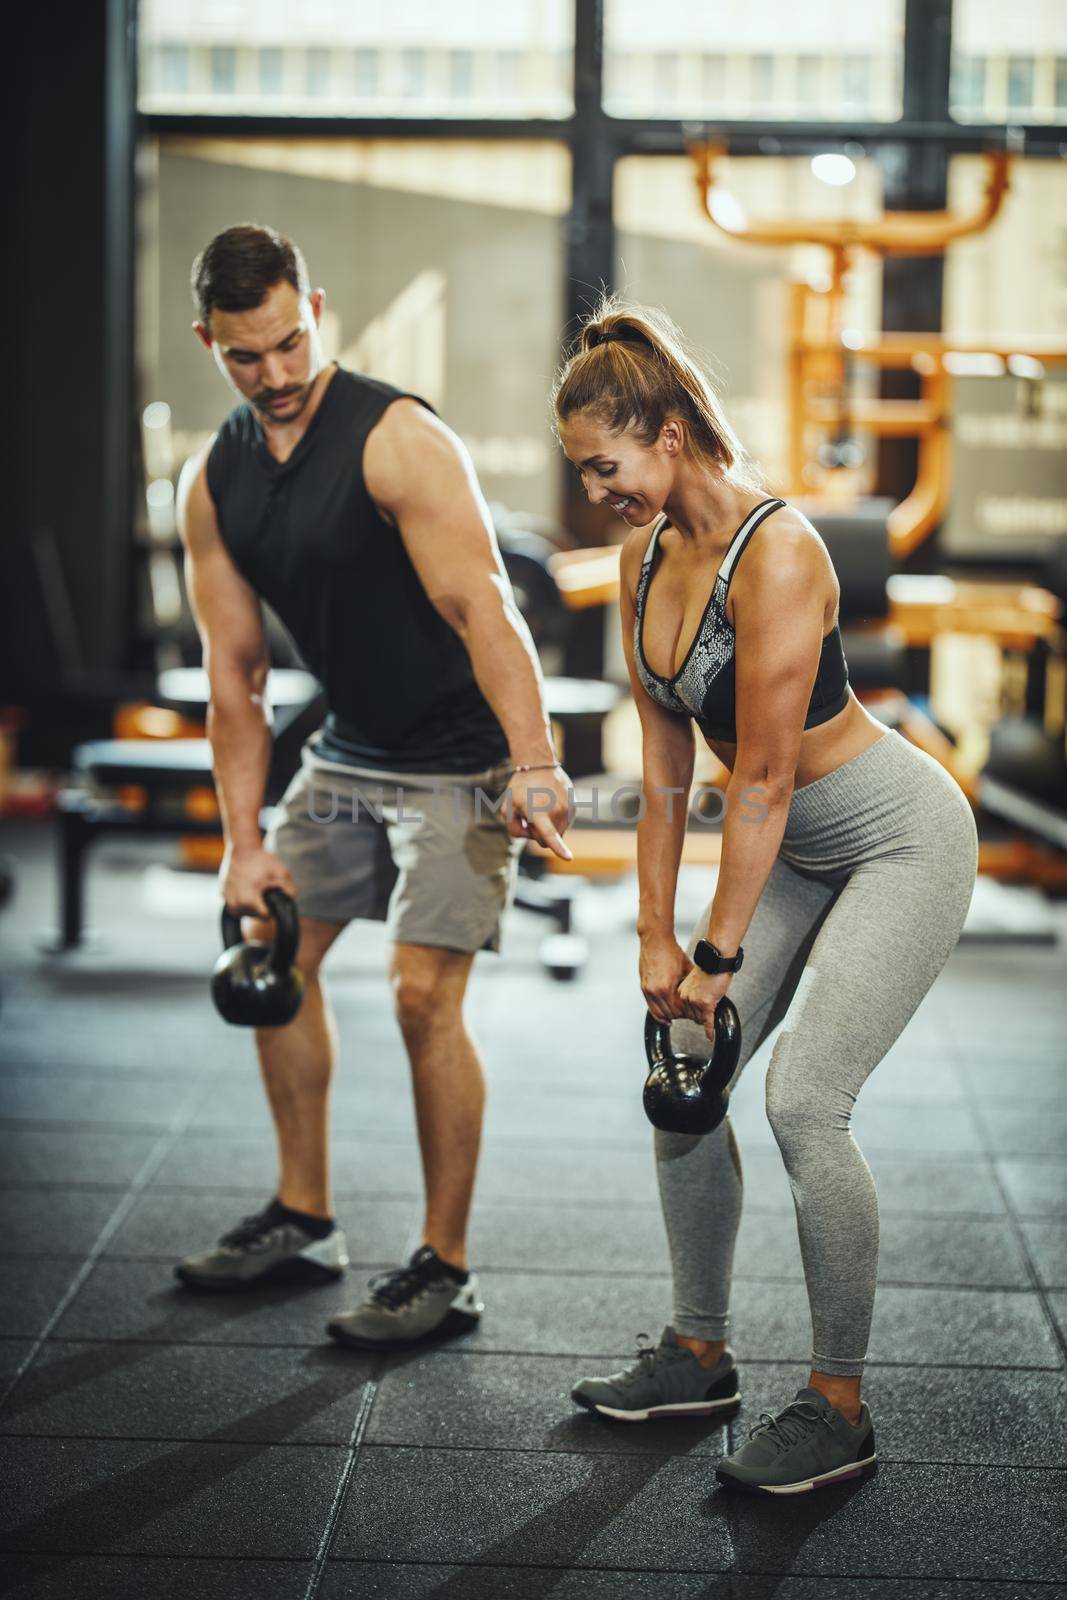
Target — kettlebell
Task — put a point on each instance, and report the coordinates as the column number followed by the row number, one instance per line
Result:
column 256, row 985
column 688, row 1093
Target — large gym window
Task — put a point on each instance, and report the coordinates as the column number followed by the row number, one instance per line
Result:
column 466, row 58
column 705, row 59
column 1008, row 61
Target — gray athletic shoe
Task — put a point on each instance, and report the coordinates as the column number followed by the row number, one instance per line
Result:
column 666, row 1380
column 421, row 1300
column 266, row 1248
column 807, row 1445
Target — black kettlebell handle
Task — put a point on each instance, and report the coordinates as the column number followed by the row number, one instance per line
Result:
column 287, row 920
column 658, row 1046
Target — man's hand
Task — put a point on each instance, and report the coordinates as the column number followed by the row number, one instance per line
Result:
column 700, row 994
column 663, row 967
column 540, row 808
column 246, row 873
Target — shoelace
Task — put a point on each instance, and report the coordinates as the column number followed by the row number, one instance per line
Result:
column 403, row 1284
column 647, row 1356
column 791, row 1424
column 250, row 1229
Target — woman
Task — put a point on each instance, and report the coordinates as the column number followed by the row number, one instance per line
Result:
column 848, row 863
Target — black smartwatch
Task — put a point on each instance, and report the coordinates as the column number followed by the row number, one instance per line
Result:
column 710, row 959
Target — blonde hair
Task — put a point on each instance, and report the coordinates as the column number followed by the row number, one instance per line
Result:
column 630, row 369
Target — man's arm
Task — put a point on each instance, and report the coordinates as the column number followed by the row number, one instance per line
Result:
column 230, row 623
column 419, row 474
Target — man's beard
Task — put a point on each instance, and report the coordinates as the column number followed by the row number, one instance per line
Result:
column 268, row 403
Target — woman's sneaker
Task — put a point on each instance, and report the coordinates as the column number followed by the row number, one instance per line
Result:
column 666, row 1380
column 272, row 1246
column 806, row 1446
column 427, row 1298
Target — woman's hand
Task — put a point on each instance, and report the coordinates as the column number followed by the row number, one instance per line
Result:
column 700, row 994
column 663, row 966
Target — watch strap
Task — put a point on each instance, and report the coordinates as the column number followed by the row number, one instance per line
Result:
column 709, row 958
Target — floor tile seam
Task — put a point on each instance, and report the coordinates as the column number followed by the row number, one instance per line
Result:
column 368, row 1262
column 355, row 1447
column 665, row 1455
column 491, row 1203
column 1059, row 1334
column 144, row 1557
column 234, row 1441
column 545, row 1088
column 631, row 1452
column 138, row 1073
column 526, row 1355
column 145, row 1130
column 224, row 1130
column 980, row 1582
column 74, row 1185
column 669, row 1572
column 149, row 1166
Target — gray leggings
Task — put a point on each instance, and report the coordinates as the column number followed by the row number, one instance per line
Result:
column 862, row 909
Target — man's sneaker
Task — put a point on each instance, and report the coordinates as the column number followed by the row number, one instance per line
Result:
column 807, row 1445
column 666, row 1380
column 270, row 1247
column 424, row 1299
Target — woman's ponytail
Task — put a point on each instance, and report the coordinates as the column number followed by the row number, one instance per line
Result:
column 630, row 370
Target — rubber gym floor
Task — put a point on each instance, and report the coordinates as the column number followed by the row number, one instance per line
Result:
column 157, row 1445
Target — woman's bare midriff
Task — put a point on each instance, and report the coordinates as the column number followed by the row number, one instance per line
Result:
column 825, row 748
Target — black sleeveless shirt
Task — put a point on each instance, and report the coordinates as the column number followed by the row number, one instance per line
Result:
column 704, row 687
column 307, row 537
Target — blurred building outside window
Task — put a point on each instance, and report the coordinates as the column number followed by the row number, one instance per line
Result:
column 460, row 74
column 855, row 82
column 271, row 71
column 714, row 79
column 317, row 72
column 763, row 76
column 1007, row 61
column 174, row 68
column 703, row 59
column 413, row 74
column 335, row 58
column 223, row 69
column 365, row 74
column 1020, row 84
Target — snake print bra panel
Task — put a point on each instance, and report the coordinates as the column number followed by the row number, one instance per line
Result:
column 704, row 685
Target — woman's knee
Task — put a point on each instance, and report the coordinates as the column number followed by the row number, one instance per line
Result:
column 804, row 1115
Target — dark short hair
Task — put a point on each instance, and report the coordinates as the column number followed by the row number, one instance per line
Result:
column 240, row 266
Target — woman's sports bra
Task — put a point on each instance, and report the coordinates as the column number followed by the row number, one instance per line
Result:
column 704, row 686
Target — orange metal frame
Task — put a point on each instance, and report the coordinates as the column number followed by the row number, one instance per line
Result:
column 818, row 402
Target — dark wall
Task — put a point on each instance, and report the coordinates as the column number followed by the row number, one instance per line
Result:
column 71, row 425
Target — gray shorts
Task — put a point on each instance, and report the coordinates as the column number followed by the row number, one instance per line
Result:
column 424, row 852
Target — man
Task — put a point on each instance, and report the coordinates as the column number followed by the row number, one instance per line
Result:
column 355, row 513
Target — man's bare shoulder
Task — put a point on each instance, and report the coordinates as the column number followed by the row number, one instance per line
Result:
column 408, row 426
column 195, row 507
column 408, row 443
